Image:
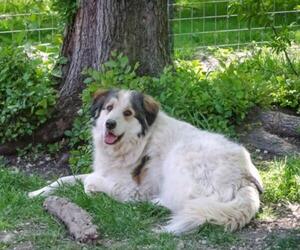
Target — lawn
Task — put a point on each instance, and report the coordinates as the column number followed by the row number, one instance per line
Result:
column 130, row 226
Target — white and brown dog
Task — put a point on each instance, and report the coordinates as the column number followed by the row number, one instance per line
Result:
column 140, row 153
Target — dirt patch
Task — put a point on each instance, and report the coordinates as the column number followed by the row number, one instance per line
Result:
column 269, row 234
column 7, row 237
column 27, row 245
column 42, row 164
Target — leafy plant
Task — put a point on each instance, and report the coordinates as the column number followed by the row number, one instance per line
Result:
column 65, row 10
column 26, row 93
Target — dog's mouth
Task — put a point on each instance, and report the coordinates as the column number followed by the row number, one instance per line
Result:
column 110, row 138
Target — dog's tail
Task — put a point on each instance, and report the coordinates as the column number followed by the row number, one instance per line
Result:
column 69, row 180
column 233, row 214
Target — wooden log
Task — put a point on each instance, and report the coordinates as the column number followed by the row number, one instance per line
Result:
column 261, row 139
column 78, row 221
column 280, row 123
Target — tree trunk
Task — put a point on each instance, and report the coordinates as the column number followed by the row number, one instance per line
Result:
column 137, row 28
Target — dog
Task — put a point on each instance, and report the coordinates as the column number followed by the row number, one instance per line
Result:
column 142, row 154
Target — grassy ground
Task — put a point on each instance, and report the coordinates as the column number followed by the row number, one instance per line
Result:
column 129, row 226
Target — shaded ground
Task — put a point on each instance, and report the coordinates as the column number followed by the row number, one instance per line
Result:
column 282, row 232
column 42, row 164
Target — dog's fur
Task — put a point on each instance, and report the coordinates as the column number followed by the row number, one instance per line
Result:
column 148, row 155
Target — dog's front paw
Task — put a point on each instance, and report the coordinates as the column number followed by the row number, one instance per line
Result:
column 91, row 189
column 93, row 184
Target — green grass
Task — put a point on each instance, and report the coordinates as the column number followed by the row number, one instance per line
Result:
column 282, row 180
column 122, row 226
column 23, row 216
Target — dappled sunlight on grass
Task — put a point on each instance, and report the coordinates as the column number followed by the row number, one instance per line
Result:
column 281, row 180
column 267, row 213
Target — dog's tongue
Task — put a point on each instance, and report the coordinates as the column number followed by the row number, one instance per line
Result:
column 110, row 138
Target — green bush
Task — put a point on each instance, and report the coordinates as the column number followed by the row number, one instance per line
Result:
column 276, row 77
column 24, row 6
column 26, row 93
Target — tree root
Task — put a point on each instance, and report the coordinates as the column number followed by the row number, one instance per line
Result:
column 280, row 123
column 78, row 221
column 261, row 139
column 272, row 131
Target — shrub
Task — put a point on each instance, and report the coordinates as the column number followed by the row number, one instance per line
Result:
column 283, row 84
column 268, row 72
column 26, row 93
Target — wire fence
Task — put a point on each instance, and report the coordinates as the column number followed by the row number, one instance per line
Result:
column 209, row 23
column 197, row 24
column 35, row 28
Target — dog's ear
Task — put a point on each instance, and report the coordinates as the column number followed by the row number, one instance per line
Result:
column 99, row 98
column 151, row 109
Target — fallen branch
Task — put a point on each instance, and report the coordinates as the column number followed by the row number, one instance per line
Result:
column 78, row 221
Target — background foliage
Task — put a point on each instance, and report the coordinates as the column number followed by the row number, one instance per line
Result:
column 26, row 92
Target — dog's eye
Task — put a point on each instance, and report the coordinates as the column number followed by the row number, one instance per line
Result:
column 109, row 107
column 127, row 113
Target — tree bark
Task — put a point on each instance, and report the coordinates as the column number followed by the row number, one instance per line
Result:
column 271, row 143
column 271, row 132
column 137, row 28
column 280, row 123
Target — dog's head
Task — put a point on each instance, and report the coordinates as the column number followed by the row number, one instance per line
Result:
column 122, row 115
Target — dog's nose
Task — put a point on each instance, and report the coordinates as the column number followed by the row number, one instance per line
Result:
column 110, row 124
